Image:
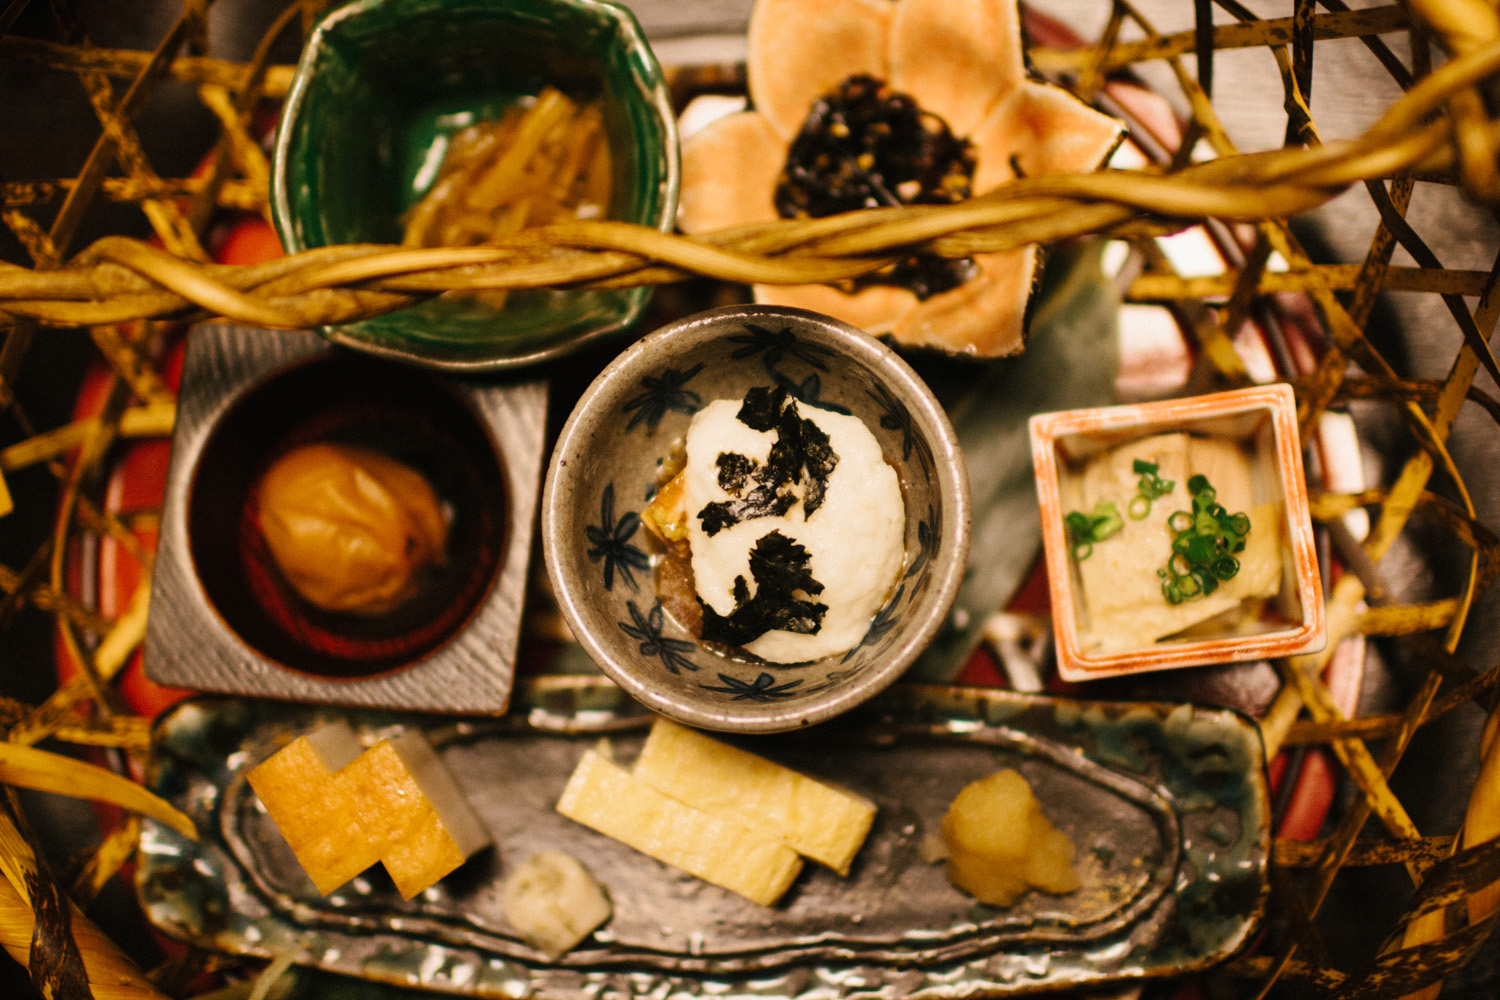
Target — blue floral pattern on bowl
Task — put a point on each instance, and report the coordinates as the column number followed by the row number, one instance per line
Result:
column 609, row 543
column 615, row 446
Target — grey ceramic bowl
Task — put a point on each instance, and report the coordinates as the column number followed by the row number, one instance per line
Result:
column 605, row 468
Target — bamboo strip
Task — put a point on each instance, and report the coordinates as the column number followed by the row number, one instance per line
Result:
column 131, row 733
column 152, row 420
column 28, row 767
column 111, row 976
column 167, row 222
column 1365, row 853
column 1277, row 31
column 1324, row 277
column 1247, row 186
column 1404, row 619
column 106, row 861
column 130, row 63
column 235, row 194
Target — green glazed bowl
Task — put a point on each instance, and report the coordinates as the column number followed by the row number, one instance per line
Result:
column 381, row 85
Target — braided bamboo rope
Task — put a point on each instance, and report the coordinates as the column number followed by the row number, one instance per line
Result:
column 118, row 280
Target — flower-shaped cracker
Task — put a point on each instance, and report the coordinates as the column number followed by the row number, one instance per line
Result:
column 960, row 60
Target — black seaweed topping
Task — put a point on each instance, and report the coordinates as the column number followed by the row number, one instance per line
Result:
column 734, row 471
column 819, row 460
column 765, row 500
column 801, row 454
column 783, row 586
column 865, row 145
column 762, row 407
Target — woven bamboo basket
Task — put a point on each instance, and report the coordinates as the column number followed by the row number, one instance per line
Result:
column 122, row 292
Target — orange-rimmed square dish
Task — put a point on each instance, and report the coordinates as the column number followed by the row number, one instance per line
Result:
column 1177, row 533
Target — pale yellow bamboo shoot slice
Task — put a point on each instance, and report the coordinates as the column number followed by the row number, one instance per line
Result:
column 819, row 821
column 605, row 797
column 496, row 184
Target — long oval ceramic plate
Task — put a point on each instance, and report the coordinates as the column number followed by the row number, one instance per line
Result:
column 1167, row 806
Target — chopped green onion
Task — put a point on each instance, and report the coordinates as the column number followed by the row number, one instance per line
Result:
column 1226, row 568
column 1202, row 549
column 1205, row 541
column 1140, row 506
column 1150, row 485
column 1086, row 529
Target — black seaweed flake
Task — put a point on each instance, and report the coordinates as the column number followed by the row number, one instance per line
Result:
column 762, row 408
column 801, row 454
column 780, row 568
column 766, row 500
column 734, row 471
column 785, row 462
column 819, row 460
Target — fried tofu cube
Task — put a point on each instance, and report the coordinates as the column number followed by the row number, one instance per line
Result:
column 342, row 808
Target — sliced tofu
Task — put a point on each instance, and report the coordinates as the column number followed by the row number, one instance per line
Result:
column 606, row 797
column 816, row 820
column 1121, row 591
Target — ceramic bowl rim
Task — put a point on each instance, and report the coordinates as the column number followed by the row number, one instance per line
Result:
column 628, row 29
column 952, row 484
